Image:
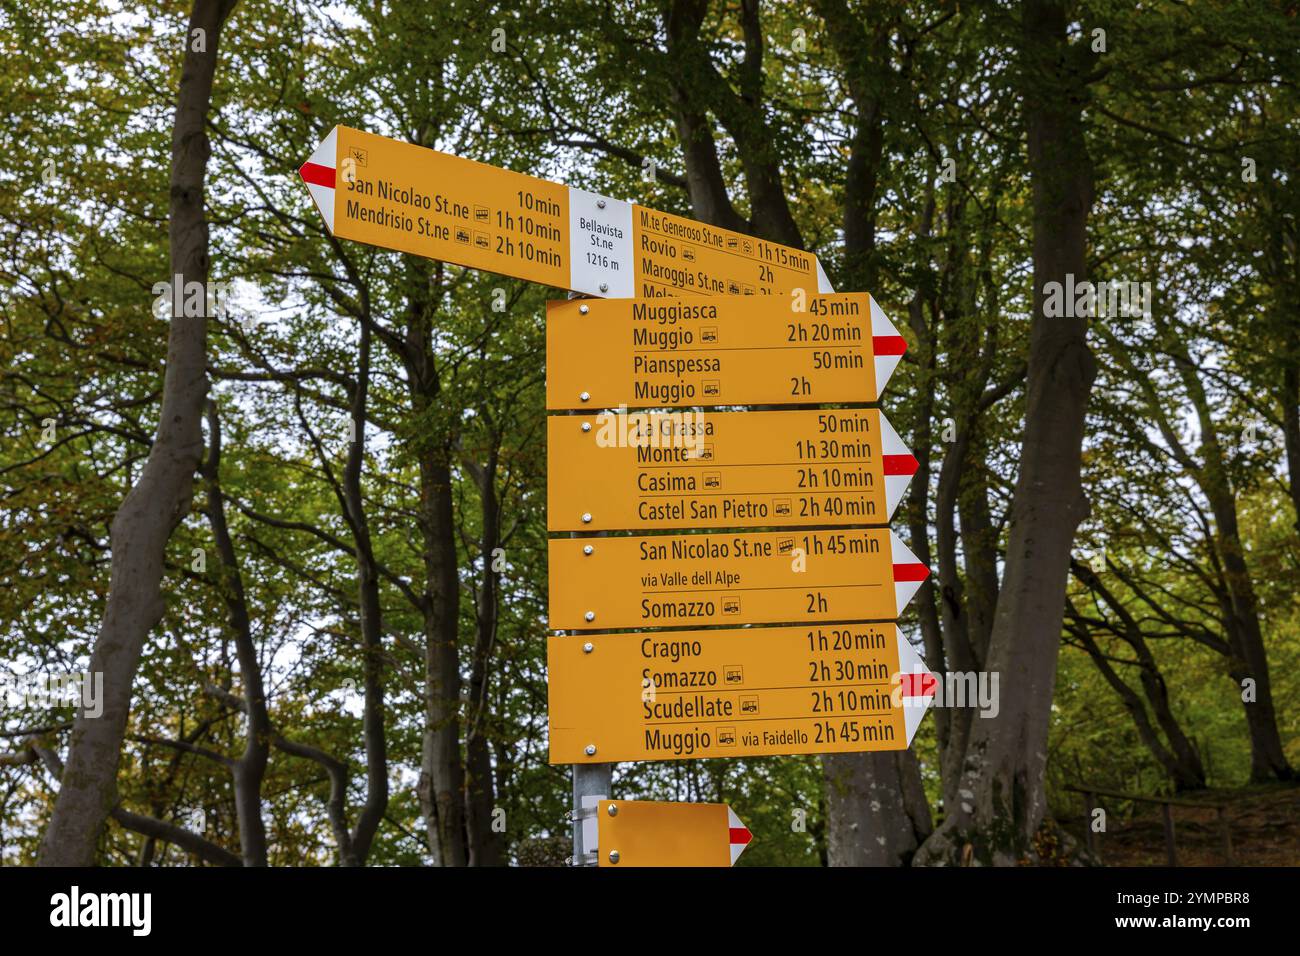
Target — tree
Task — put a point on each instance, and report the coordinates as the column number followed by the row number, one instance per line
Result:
column 161, row 497
column 1003, row 801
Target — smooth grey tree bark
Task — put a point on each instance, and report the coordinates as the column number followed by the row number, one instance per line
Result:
column 161, row 497
column 876, row 810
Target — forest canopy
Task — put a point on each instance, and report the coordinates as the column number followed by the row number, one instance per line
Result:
column 1081, row 216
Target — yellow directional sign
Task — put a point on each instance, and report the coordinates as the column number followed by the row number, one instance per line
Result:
column 648, row 470
column 387, row 193
column 652, row 833
column 742, row 578
column 752, row 692
column 718, row 351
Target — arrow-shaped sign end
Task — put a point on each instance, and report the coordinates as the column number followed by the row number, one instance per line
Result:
column 909, row 573
column 899, row 465
column 319, row 174
column 823, row 280
column 886, row 344
column 739, row 835
column 918, row 685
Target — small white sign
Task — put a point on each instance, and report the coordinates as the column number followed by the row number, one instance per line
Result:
column 600, row 245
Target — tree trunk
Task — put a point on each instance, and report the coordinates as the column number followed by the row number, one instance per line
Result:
column 704, row 182
column 1241, row 610
column 1181, row 759
column 863, row 54
column 161, row 498
column 1234, row 589
column 250, row 769
column 918, row 516
column 485, row 847
column 441, row 783
column 1188, row 771
column 876, row 810
column 371, row 621
column 1183, row 765
column 1002, row 802
column 980, row 556
column 442, row 776
column 1290, row 401
column 701, row 89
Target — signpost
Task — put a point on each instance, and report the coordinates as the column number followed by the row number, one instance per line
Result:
column 723, row 351
column 691, row 316
column 396, row 195
column 650, row 833
column 694, row 580
column 753, row 692
column 649, row 470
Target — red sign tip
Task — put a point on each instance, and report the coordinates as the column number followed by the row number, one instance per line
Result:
column 900, row 464
column 910, row 572
column 884, row 345
column 314, row 174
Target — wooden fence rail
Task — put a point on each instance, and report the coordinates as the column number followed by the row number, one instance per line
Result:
column 1092, row 839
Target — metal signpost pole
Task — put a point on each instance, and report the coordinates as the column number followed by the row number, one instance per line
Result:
column 589, row 780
